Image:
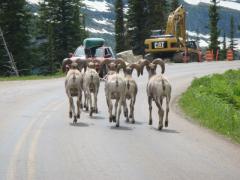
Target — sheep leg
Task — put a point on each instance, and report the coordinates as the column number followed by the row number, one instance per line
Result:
column 132, row 103
column 160, row 113
column 73, row 110
column 79, row 100
column 125, row 110
column 150, row 109
column 78, row 108
column 110, row 107
column 167, row 110
column 70, row 108
column 87, row 100
column 119, row 110
column 91, row 107
column 95, row 102
column 115, row 109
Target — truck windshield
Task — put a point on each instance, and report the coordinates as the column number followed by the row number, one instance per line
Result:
column 79, row 52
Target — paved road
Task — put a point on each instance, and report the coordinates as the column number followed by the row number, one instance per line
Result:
column 37, row 140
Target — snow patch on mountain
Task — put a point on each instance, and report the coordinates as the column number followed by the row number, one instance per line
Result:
column 227, row 4
column 34, row 1
column 101, row 6
column 102, row 31
column 103, row 22
column 204, row 39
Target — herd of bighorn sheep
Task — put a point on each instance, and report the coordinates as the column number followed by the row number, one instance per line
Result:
column 82, row 78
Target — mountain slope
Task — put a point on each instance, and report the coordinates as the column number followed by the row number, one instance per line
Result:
column 100, row 18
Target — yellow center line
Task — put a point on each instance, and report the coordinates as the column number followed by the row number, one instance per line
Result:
column 12, row 168
column 31, row 162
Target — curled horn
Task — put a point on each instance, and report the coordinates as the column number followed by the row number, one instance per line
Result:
column 82, row 64
column 106, row 61
column 143, row 63
column 120, row 64
column 66, row 62
column 161, row 63
column 96, row 61
column 137, row 67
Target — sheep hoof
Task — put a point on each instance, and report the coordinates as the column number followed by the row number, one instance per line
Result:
column 114, row 118
column 117, row 125
column 78, row 116
column 96, row 111
column 91, row 112
column 75, row 120
column 150, row 122
column 166, row 123
column 133, row 121
column 86, row 108
column 160, row 127
column 127, row 120
column 126, row 113
column 70, row 114
column 130, row 116
column 110, row 119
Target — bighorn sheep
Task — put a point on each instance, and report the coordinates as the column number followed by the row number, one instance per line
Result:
column 73, row 85
column 158, row 87
column 115, row 87
column 91, row 82
column 131, row 90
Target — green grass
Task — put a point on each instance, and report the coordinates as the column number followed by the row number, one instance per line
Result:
column 32, row 77
column 214, row 102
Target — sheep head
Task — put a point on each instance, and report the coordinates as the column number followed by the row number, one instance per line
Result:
column 114, row 65
column 73, row 64
column 93, row 64
column 130, row 67
column 66, row 64
column 110, row 63
column 152, row 66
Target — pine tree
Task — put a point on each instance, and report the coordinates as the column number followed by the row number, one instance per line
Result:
column 224, row 47
column 214, row 32
column 61, row 26
column 157, row 13
column 14, row 21
column 174, row 5
column 136, row 25
column 232, row 44
column 119, row 26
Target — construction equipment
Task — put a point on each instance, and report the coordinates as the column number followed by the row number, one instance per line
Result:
column 173, row 44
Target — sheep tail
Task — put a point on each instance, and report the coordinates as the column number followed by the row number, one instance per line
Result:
column 163, row 85
column 74, row 77
column 128, row 85
column 117, row 83
column 91, row 78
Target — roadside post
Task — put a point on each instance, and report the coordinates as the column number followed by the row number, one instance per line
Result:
column 230, row 55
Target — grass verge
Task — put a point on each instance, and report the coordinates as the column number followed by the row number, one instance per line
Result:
column 214, row 102
column 32, row 77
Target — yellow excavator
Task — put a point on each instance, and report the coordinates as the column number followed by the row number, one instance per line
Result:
column 173, row 44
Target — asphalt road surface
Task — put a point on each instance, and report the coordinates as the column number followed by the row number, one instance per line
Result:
column 38, row 140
